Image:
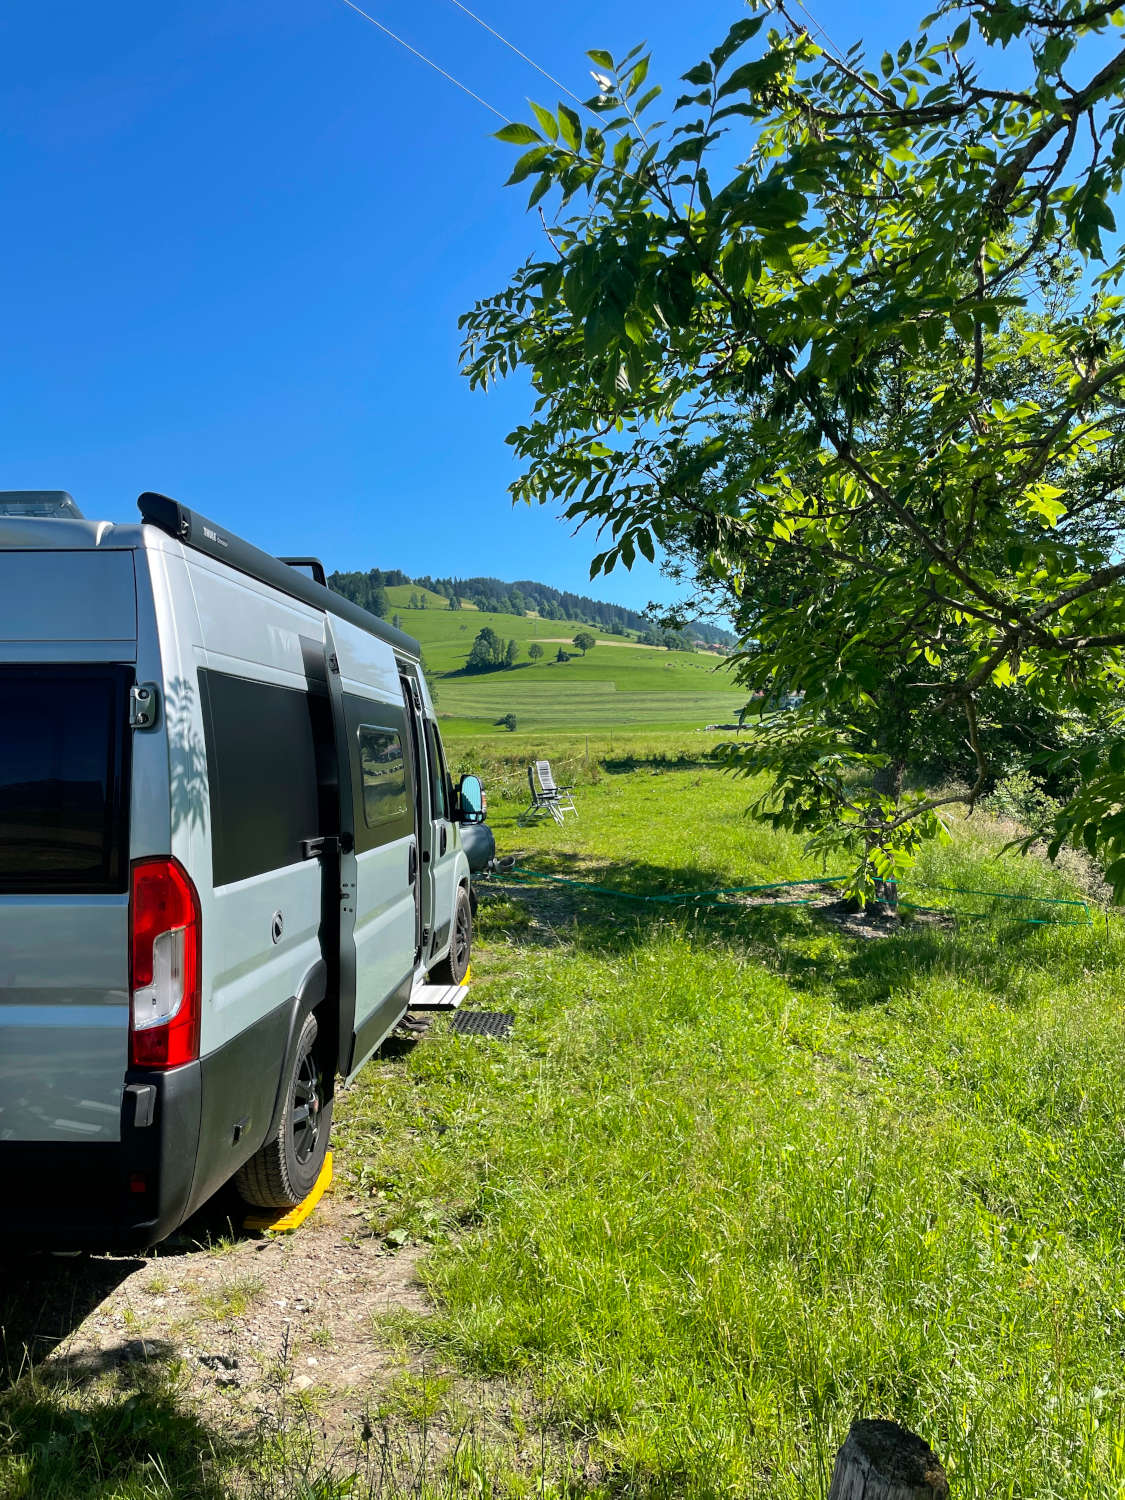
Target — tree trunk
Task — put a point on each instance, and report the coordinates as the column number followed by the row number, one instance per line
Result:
column 887, row 780
column 882, row 1461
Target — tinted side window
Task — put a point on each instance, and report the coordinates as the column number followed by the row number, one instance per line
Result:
column 438, row 777
column 261, row 770
column 382, row 767
column 64, row 749
column 382, row 771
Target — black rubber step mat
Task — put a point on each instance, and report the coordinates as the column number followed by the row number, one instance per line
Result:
column 494, row 1023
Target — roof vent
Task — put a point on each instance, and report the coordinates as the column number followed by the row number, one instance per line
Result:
column 43, row 505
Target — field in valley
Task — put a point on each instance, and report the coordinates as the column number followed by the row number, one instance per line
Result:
column 737, row 1176
column 618, row 684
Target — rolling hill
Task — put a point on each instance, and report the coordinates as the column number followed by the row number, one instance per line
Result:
column 618, row 684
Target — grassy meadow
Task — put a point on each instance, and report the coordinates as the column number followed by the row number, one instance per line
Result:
column 739, row 1177
column 618, row 684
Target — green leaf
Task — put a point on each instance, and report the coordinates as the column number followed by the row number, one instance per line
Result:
column 527, row 164
column 603, row 59
column 518, row 135
column 637, row 77
column 701, row 73
column 546, row 120
column 539, row 190
column 739, row 34
column 571, row 127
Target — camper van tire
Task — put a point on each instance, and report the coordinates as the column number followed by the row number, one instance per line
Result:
column 284, row 1171
column 453, row 968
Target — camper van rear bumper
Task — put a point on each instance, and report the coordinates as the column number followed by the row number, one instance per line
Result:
column 125, row 1195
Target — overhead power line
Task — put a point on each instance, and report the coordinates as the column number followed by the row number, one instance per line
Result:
column 513, row 48
column 386, row 30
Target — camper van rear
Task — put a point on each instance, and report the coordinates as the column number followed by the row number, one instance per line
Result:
column 229, row 852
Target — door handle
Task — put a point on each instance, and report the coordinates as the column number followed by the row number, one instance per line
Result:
column 412, row 865
column 444, row 839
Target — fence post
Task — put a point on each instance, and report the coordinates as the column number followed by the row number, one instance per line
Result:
column 882, row 1461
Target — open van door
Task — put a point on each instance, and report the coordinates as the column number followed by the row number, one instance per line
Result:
column 379, row 859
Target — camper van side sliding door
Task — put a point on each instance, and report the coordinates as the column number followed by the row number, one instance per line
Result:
column 387, row 866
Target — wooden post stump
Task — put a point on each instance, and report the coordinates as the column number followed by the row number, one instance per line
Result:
column 882, row 1461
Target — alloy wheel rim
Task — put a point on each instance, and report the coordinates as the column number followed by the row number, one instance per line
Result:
column 306, row 1110
column 462, row 937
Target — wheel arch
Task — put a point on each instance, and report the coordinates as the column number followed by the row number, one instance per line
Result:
column 311, row 995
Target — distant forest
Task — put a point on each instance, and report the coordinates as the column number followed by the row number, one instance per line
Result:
column 369, row 591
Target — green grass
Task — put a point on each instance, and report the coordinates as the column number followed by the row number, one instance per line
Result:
column 739, row 1178
column 618, row 684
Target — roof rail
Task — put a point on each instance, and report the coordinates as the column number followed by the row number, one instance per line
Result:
column 202, row 535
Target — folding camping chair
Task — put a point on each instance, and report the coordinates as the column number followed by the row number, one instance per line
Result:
column 546, row 797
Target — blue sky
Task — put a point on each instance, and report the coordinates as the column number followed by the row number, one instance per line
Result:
column 238, row 238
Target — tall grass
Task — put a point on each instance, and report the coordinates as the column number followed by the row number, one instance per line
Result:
column 740, row 1178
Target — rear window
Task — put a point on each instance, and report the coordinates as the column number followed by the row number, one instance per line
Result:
column 63, row 747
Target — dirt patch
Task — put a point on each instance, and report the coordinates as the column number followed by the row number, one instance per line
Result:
column 244, row 1318
column 553, row 909
column 877, row 922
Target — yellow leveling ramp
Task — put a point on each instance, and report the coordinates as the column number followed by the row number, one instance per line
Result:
column 292, row 1218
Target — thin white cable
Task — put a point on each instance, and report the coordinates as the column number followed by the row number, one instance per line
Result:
column 818, row 27
column 428, row 61
column 513, row 48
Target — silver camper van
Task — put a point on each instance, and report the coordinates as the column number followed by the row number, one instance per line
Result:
column 229, row 853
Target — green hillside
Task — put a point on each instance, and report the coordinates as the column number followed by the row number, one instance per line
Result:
column 618, row 683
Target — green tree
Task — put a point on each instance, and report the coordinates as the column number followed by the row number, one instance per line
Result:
column 584, row 641
column 860, row 370
column 486, row 653
column 535, row 651
column 507, row 722
column 511, row 653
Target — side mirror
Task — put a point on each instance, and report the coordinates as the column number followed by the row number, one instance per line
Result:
column 471, row 801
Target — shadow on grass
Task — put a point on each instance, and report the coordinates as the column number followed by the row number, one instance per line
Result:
column 104, row 1421
column 623, row 765
column 113, row 1443
column 798, row 942
column 44, row 1298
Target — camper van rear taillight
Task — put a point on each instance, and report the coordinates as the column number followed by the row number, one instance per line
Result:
column 164, row 939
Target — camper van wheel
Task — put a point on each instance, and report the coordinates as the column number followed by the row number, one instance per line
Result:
column 284, row 1171
column 452, row 970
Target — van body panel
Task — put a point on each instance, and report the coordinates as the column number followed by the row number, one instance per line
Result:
column 247, row 622
column 384, row 928
column 366, row 664
column 249, row 973
column 67, row 596
column 250, row 656
column 64, row 1016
